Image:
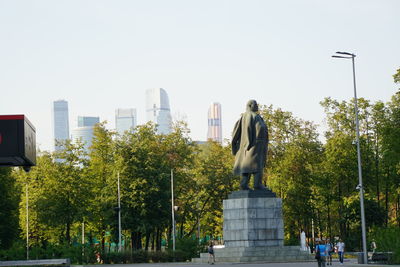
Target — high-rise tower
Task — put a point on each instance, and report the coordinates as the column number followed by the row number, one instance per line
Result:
column 84, row 131
column 60, row 122
column 157, row 109
column 125, row 119
column 215, row 123
column 87, row 121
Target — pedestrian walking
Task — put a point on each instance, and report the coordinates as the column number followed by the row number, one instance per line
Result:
column 340, row 249
column 211, row 256
column 320, row 254
column 330, row 251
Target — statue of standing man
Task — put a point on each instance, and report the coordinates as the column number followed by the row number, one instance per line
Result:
column 250, row 146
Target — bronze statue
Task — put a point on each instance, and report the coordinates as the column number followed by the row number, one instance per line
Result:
column 250, row 146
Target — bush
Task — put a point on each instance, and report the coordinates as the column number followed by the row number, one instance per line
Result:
column 387, row 240
column 142, row 256
column 74, row 253
column 159, row 256
column 16, row 252
column 186, row 249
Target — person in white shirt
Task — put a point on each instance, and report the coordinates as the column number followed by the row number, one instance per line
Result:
column 340, row 249
column 373, row 245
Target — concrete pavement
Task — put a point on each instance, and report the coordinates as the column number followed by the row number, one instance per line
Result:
column 189, row 264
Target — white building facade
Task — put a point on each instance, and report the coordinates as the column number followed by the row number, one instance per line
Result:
column 125, row 120
column 158, row 110
column 84, row 131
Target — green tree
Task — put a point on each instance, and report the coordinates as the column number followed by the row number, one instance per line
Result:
column 293, row 161
column 179, row 152
column 390, row 151
column 396, row 76
column 214, row 180
column 33, row 185
column 9, row 198
column 102, row 175
column 374, row 217
column 66, row 190
column 145, row 183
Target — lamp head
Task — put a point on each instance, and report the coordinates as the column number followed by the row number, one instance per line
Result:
column 346, row 53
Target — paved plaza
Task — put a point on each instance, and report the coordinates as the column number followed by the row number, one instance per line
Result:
column 292, row 264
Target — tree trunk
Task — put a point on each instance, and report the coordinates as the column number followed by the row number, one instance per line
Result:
column 387, row 202
column 132, row 240
column 153, row 241
column 103, row 242
column 377, row 171
column 342, row 225
column 137, row 240
column 397, row 210
column 329, row 220
column 68, row 233
column 146, row 247
column 158, row 240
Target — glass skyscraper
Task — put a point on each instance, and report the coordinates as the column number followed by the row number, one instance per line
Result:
column 60, row 122
column 215, row 123
column 125, row 119
column 157, row 109
column 84, row 131
column 87, row 121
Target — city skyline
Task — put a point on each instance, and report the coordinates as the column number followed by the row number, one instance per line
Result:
column 278, row 53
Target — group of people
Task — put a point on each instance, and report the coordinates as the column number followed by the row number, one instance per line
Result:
column 324, row 251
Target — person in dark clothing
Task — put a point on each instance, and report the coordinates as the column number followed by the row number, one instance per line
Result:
column 211, row 255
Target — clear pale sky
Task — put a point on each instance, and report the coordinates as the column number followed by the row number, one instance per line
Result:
column 102, row 55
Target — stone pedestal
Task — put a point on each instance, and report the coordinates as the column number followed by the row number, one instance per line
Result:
column 253, row 230
column 253, row 219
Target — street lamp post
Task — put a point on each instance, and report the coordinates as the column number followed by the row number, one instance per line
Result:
column 173, row 210
column 27, row 222
column 119, row 217
column 351, row 56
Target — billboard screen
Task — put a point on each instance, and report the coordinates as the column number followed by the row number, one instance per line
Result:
column 17, row 141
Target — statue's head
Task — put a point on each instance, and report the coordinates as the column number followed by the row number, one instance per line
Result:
column 252, row 106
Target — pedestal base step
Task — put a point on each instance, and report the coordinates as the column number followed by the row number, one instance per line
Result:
column 257, row 254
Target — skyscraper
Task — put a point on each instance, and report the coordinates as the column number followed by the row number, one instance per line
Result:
column 215, row 123
column 84, row 134
column 60, row 122
column 87, row 121
column 157, row 109
column 84, row 131
column 125, row 119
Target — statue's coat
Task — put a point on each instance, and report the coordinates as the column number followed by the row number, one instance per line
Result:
column 249, row 143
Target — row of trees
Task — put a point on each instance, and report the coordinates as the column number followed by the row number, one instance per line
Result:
column 70, row 190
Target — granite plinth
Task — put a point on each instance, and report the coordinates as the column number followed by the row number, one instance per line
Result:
column 253, row 221
column 251, row 194
column 258, row 254
column 253, row 231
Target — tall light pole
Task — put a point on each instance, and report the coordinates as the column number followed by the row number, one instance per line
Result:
column 27, row 222
column 173, row 210
column 351, row 56
column 119, row 218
